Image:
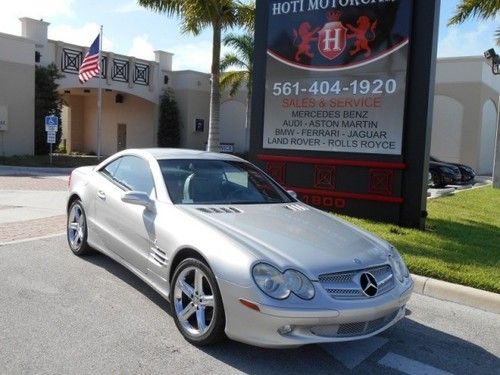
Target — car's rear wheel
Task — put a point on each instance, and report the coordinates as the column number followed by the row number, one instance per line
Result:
column 196, row 303
column 76, row 229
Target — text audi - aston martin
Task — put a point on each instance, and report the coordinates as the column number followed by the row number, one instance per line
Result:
column 233, row 252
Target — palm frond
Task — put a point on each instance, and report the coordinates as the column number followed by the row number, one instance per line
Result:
column 482, row 9
column 233, row 80
column 169, row 7
column 231, row 60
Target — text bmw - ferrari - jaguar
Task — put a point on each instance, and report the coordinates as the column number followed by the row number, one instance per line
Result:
column 234, row 253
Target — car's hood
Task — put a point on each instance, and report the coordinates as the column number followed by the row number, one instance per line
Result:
column 310, row 240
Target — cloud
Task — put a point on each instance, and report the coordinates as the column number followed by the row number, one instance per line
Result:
column 142, row 48
column 11, row 12
column 458, row 42
column 194, row 56
column 82, row 36
column 129, row 7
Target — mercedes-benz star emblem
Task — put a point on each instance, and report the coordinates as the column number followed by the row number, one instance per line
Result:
column 368, row 283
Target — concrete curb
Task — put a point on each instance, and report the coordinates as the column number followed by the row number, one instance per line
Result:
column 460, row 294
column 10, row 170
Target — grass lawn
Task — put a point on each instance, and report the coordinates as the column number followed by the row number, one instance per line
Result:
column 461, row 243
column 58, row 160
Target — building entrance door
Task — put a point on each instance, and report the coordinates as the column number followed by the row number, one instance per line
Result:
column 121, row 137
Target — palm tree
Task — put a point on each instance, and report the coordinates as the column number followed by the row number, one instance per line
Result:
column 195, row 16
column 241, row 59
column 482, row 9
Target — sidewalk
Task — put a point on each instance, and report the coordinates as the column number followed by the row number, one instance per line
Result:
column 32, row 202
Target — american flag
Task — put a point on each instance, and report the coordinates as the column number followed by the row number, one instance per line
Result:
column 90, row 66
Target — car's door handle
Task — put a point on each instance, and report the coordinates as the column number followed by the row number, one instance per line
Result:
column 101, row 194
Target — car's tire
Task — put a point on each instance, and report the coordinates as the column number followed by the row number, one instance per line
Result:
column 76, row 229
column 196, row 305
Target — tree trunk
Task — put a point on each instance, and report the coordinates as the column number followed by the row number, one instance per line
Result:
column 213, row 144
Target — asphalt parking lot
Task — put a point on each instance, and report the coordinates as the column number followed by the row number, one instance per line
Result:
column 64, row 314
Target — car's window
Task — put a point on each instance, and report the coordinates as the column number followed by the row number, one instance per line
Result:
column 110, row 169
column 132, row 173
column 194, row 181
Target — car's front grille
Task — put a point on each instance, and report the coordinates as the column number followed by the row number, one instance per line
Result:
column 347, row 285
column 355, row 328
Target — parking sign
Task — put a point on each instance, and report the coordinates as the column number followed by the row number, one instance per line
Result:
column 51, row 123
column 51, row 137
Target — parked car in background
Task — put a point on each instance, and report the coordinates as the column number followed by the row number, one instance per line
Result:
column 444, row 174
column 234, row 253
column 467, row 173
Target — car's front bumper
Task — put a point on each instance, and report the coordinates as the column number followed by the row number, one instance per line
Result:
column 352, row 320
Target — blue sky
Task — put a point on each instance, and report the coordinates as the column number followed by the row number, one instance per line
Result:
column 132, row 30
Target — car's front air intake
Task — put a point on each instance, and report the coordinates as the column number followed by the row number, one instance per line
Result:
column 220, row 210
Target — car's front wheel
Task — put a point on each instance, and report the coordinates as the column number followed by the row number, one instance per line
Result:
column 196, row 303
column 76, row 229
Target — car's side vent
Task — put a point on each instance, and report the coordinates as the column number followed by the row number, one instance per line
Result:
column 159, row 256
column 296, row 207
column 220, row 210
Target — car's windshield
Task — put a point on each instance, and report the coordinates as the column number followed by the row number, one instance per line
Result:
column 196, row 181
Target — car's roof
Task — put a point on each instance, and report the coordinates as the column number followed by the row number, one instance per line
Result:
column 180, row 153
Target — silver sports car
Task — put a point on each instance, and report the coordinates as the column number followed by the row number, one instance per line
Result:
column 234, row 253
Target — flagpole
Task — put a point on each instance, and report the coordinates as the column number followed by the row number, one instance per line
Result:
column 99, row 99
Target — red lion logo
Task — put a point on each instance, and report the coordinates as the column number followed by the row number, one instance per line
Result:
column 364, row 34
column 306, row 38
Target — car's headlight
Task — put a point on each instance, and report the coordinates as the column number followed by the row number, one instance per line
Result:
column 398, row 264
column 279, row 285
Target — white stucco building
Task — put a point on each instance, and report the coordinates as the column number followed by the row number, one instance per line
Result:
column 131, row 89
column 466, row 106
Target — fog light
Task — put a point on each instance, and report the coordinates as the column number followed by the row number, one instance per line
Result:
column 285, row 329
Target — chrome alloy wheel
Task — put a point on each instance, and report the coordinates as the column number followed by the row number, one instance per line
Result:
column 76, row 227
column 194, row 301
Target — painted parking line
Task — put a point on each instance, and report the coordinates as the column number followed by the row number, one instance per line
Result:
column 409, row 366
column 351, row 354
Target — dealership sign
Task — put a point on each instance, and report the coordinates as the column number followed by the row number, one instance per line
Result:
column 337, row 80
column 331, row 96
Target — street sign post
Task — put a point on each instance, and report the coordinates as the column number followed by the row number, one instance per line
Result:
column 51, row 127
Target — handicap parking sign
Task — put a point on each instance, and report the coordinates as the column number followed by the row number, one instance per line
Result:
column 51, row 123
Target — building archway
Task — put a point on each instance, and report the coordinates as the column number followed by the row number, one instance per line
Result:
column 123, row 114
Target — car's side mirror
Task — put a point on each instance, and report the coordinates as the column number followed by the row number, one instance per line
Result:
column 138, row 198
column 293, row 194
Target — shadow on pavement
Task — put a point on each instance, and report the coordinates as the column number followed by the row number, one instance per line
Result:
column 407, row 338
column 128, row 277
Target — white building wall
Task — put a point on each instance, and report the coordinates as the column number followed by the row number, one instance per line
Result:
column 17, row 94
column 469, row 85
column 488, row 137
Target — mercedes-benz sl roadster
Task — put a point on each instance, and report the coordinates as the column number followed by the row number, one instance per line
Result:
column 234, row 253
